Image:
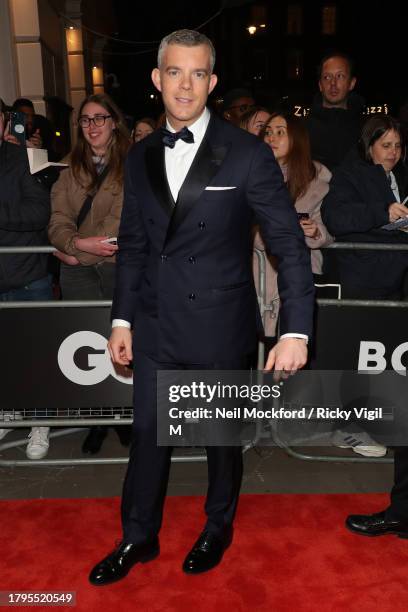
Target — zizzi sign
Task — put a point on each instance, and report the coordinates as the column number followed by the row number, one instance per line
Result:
column 98, row 365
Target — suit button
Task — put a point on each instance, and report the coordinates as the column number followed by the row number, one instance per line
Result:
column 192, row 259
column 191, row 296
column 163, row 258
column 151, row 221
column 201, row 225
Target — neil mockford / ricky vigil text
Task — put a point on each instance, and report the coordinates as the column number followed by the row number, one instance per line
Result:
column 253, row 412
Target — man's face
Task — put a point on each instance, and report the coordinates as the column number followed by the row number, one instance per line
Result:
column 185, row 81
column 335, row 82
column 237, row 109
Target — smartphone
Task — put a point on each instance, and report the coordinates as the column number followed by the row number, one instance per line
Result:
column 302, row 215
column 17, row 126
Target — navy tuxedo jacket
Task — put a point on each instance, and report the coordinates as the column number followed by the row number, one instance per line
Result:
column 184, row 270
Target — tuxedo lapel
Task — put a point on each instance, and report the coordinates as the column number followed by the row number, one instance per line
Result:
column 205, row 165
column 156, row 171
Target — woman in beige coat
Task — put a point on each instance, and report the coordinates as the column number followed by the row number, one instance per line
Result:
column 85, row 235
column 95, row 172
column 308, row 183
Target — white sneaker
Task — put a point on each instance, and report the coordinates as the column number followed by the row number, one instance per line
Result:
column 361, row 443
column 37, row 448
column 4, row 432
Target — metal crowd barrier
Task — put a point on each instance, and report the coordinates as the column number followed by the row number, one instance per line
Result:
column 79, row 420
column 340, row 303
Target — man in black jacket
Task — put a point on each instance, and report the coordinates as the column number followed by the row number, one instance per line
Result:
column 24, row 216
column 184, row 285
column 334, row 126
column 335, row 119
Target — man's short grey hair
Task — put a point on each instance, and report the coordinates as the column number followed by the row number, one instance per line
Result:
column 186, row 38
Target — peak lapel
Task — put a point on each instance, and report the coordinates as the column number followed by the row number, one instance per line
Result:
column 206, row 164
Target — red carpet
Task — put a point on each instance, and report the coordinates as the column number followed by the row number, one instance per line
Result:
column 290, row 554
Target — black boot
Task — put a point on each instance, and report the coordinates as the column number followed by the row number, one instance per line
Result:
column 93, row 441
column 124, row 434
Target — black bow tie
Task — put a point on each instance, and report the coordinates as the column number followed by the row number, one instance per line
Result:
column 170, row 138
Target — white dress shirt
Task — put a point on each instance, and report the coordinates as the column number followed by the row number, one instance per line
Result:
column 179, row 159
column 394, row 186
column 178, row 162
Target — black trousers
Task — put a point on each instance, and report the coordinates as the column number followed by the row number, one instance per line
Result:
column 398, row 508
column 94, row 282
column 147, row 475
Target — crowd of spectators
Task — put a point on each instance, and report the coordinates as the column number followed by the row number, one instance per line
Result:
column 347, row 179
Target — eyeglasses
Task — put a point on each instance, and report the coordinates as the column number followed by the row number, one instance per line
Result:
column 242, row 107
column 98, row 120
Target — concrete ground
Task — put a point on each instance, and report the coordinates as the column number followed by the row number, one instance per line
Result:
column 267, row 470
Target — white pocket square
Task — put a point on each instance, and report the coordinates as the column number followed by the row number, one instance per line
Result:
column 219, row 188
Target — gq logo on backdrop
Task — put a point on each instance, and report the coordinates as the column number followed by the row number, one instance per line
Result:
column 99, row 365
column 371, row 357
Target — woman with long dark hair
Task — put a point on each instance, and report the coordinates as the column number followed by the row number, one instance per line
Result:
column 143, row 127
column 308, row 183
column 253, row 120
column 367, row 192
column 86, row 206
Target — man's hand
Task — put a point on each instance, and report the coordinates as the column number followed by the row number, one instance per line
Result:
column 70, row 260
column 95, row 246
column 120, row 345
column 35, row 142
column 11, row 138
column 288, row 355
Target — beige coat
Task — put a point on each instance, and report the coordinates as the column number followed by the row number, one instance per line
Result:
column 67, row 197
column 310, row 202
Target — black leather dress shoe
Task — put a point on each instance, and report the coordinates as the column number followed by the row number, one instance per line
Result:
column 376, row 525
column 124, row 434
column 206, row 553
column 93, row 441
column 119, row 562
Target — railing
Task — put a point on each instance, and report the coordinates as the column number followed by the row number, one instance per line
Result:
column 125, row 416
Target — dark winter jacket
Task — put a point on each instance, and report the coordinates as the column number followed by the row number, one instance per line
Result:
column 24, row 216
column 334, row 131
column 354, row 210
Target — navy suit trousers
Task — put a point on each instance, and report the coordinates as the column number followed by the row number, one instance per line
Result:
column 148, row 470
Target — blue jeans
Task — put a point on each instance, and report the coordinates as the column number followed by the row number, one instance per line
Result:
column 37, row 290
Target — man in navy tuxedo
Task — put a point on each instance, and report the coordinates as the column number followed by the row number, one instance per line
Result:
column 185, row 296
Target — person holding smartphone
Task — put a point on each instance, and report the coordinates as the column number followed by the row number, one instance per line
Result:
column 24, row 215
column 308, row 183
column 25, row 107
column 86, row 205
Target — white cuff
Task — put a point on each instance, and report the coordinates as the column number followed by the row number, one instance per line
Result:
column 120, row 323
column 301, row 336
